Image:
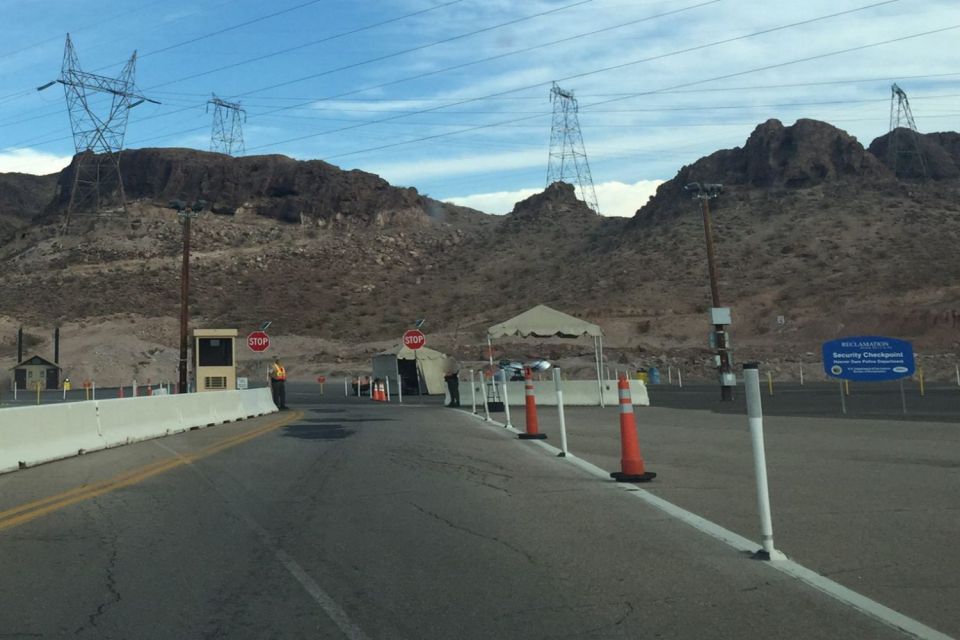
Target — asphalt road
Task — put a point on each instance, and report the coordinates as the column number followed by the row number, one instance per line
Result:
column 363, row 520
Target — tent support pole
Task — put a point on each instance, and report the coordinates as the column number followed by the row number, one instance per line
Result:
column 596, row 355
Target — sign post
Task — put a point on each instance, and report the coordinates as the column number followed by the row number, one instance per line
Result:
column 414, row 339
column 868, row 359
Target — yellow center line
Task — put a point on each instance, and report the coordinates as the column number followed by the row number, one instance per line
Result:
column 38, row 508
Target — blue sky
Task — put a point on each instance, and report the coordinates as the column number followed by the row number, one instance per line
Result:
column 452, row 97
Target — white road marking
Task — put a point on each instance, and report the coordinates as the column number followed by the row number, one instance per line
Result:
column 334, row 611
column 821, row 583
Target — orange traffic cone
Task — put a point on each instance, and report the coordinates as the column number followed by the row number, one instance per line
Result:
column 374, row 391
column 631, row 461
column 533, row 431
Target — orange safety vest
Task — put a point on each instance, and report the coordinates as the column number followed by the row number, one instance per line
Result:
column 278, row 372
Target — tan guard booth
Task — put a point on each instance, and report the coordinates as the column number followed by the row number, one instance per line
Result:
column 215, row 359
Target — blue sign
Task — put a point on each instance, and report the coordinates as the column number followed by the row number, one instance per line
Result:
column 868, row 358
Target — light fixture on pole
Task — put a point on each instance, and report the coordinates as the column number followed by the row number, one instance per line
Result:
column 719, row 316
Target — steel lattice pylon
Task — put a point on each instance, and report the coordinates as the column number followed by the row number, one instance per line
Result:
column 903, row 142
column 227, row 138
column 568, row 158
column 98, row 130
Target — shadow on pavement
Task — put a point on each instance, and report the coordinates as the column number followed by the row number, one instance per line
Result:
column 318, row 432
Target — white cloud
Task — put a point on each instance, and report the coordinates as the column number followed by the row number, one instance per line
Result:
column 615, row 198
column 32, row 161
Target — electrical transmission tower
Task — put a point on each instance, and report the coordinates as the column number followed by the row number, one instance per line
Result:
column 568, row 158
column 98, row 130
column 903, row 142
column 227, row 134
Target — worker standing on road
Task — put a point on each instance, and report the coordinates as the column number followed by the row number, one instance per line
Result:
column 278, row 384
column 453, row 386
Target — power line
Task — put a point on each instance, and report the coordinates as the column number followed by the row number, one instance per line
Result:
column 422, row 47
column 308, row 44
column 634, row 95
column 596, row 71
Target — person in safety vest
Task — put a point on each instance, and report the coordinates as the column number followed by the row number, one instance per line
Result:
column 278, row 382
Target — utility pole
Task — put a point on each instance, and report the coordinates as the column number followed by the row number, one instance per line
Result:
column 227, row 138
column 98, row 130
column 186, row 214
column 719, row 316
column 568, row 157
column 903, row 141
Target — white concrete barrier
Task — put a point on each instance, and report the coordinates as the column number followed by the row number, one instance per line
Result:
column 583, row 393
column 33, row 435
column 126, row 420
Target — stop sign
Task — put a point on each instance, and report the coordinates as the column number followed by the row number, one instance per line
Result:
column 414, row 339
column 258, row 341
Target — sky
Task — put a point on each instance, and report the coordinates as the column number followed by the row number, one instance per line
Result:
column 453, row 97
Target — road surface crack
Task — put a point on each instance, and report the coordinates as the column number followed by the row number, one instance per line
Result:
column 109, row 540
column 529, row 558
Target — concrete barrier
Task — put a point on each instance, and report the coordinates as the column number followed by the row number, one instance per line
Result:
column 127, row 420
column 583, row 393
column 33, row 435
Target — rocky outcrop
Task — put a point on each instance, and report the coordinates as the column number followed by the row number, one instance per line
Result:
column 559, row 199
column 23, row 195
column 274, row 186
column 775, row 157
column 935, row 156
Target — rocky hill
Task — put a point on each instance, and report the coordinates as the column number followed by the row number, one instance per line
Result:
column 811, row 227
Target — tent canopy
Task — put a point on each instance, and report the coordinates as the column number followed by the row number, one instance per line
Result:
column 403, row 352
column 544, row 322
column 422, row 369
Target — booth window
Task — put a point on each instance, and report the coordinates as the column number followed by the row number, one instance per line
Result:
column 215, row 352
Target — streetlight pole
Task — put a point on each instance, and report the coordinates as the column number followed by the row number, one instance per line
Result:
column 719, row 316
column 185, row 216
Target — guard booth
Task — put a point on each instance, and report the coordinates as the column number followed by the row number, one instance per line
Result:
column 35, row 369
column 215, row 363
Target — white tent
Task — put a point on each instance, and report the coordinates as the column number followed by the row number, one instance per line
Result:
column 422, row 369
column 544, row 322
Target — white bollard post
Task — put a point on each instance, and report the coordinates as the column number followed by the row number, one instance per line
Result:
column 669, row 375
column 94, row 394
column 680, row 378
column 473, row 392
column 358, row 385
column 560, row 413
column 133, row 393
column 64, row 393
column 388, row 388
column 399, row 389
column 751, row 381
column 14, row 389
column 345, row 392
column 486, row 406
column 801, row 375
column 506, row 402
column 958, row 375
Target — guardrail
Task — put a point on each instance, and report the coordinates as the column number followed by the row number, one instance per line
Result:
column 38, row 434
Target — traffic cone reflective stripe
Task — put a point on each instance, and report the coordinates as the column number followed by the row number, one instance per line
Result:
column 533, row 426
column 631, row 461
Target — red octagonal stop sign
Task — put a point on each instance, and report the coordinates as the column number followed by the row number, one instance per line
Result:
column 414, row 339
column 258, row 341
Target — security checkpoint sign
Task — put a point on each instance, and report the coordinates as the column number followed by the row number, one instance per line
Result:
column 258, row 341
column 868, row 358
column 414, row 339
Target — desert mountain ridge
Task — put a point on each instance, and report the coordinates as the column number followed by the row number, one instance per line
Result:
column 812, row 228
